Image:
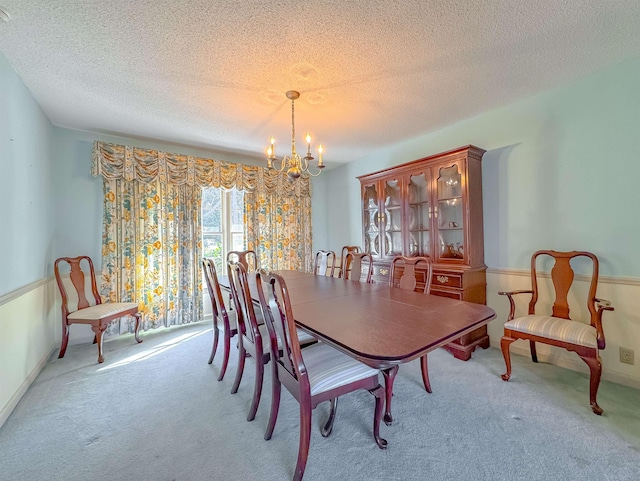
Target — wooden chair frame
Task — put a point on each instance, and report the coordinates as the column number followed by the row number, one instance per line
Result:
column 289, row 369
column 354, row 262
column 344, row 265
column 250, row 339
column 325, row 262
column 562, row 276
column 409, row 282
column 98, row 322
column 220, row 315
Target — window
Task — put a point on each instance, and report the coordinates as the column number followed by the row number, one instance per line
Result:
column 222, row 224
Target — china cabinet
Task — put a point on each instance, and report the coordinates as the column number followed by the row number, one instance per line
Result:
column 431, row 207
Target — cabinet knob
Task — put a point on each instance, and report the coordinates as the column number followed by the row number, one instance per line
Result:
column 384, row 272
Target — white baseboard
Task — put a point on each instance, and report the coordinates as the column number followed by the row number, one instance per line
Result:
column 6, row 410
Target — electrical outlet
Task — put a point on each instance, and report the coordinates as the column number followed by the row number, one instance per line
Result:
column 626, row 355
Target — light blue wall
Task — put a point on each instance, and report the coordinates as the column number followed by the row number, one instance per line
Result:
column 27, row 213
column 562, row 171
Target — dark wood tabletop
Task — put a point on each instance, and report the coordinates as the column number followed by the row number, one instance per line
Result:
column 378, row 325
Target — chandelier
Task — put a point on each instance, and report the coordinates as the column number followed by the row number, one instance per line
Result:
column 293, row 163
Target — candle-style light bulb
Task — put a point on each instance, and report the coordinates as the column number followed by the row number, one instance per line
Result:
column 320, row 150
column 308, row 139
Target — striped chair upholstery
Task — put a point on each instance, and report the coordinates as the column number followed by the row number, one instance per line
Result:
column 565, row 330
column 329, row 368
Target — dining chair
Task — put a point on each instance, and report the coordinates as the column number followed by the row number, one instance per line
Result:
column 583, row 338
column 312, row 375
column 221, row 316
column 325, row 263
column 354, row 267
column 253, row 337
column 343, row 258
column 82, row 303
column 413, row 278
column 248, row 258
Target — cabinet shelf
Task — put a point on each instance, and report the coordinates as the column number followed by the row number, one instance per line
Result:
column 446, row 199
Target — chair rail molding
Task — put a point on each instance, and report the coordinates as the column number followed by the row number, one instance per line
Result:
column 627, row 281
column 6, row 298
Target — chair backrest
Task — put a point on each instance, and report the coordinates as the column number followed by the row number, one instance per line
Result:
column 278, row 317
column 562, row 277
column 410, row 274
column 78, row 287
column 248, row 259
column 325, row 263
column 247, row 321
column 215, row 293
column 344, row 263
column 355, row 262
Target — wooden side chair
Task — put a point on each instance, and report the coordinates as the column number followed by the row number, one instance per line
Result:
column 343, row 258
column 408, row 280
column 325, row 263
column 253, row 336
column 249, row 259
column 354, row 267
column 559, row 329
column 82, row 304
column 221, row 316
column 312, row 375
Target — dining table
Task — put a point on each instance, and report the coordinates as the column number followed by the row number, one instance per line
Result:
column 379, row 325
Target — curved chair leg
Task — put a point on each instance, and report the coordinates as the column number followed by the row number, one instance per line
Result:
column 328, row 426
column 214, row 346
column 275, row 401
column 257, row 389
column 240, row 370
column 389, row 376
column 378, row 393
column 305, row 438
column 425, row 373
column 136, row 331
column 505, row 342
column 595, row 366
column 65, row 340
column 225, row 355
column 534, row 353
column 98, row 330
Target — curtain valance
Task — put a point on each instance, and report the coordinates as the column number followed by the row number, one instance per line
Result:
column 113, row 161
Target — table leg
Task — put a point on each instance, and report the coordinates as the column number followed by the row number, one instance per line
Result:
column 389, row 376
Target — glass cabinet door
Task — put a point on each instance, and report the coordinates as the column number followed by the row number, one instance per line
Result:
column 371, row 219
column 418, row 215
column 449, row 213
column 392, row 218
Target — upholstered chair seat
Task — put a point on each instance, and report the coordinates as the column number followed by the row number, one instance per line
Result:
column 329, row 368
column 558, row 329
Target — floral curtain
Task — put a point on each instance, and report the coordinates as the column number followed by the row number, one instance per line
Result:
column 152, row 227
column 279, row 230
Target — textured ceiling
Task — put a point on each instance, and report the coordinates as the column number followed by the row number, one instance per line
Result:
column 213, row 74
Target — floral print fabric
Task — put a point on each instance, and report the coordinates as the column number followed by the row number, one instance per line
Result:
column 152, row 226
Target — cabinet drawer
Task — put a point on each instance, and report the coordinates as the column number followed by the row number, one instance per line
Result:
column 381, row 273
column 450, row 294
column 448, row 280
